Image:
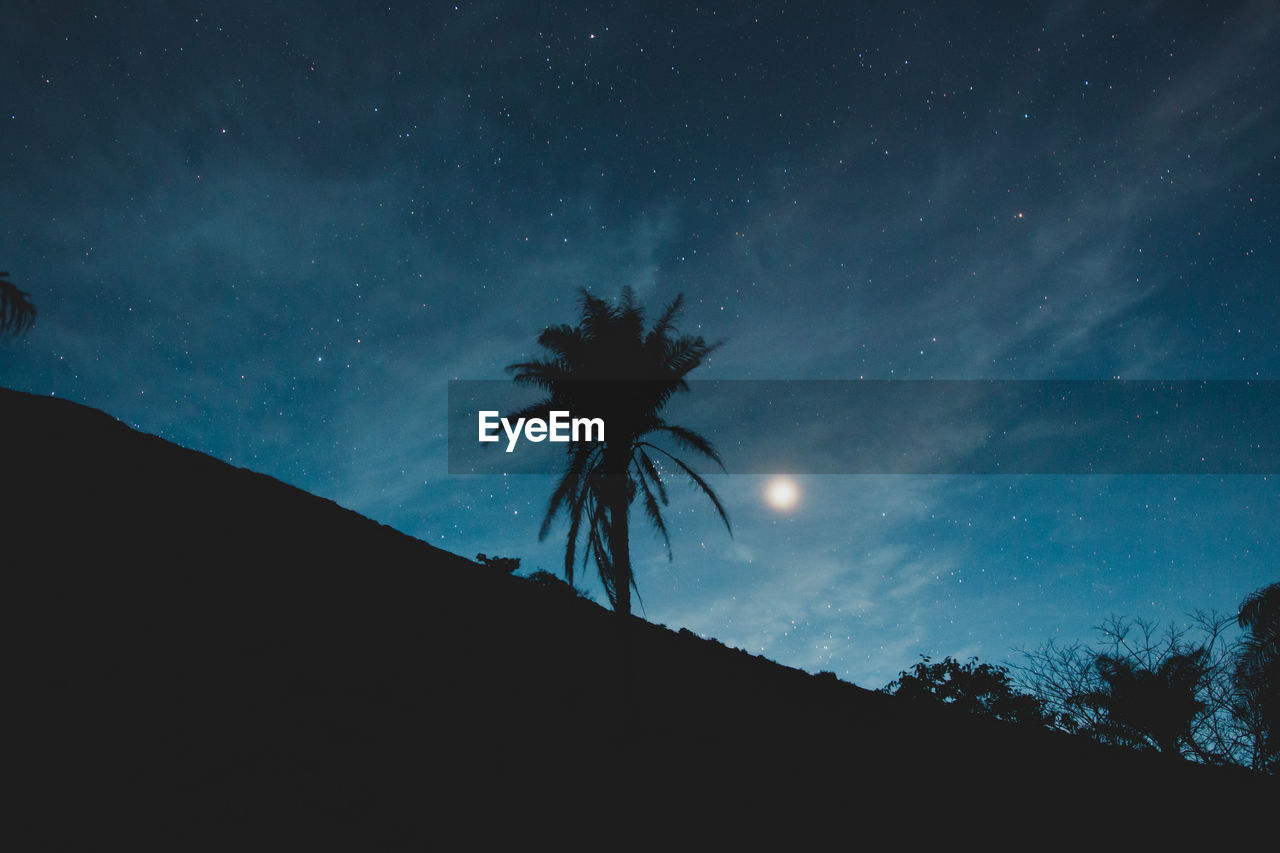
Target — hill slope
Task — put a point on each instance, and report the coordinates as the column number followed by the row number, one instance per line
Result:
column 204, row 656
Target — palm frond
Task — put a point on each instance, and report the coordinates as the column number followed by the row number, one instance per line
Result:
column 691, row 440
column 597, row 534
column 17, row 311
column 702, row 484
column 651, row 470
column 684, row 354
column 666, row 321
column 1260, row 615
column 570, row 485
column 579, row 498
column 652, row 510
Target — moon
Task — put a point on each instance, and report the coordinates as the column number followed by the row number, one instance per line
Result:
column 782, row 493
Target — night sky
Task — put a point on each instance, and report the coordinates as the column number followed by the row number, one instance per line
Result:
column 274, row 232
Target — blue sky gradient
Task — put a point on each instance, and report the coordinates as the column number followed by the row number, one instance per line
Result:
column 274, row 232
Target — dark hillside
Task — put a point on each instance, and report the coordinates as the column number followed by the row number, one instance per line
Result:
column 201, row 656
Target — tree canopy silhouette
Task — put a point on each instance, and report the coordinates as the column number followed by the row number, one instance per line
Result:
column 17, row 312
column 981, row 689
column 1169, row 690
column 1149, row 707
column 609, row 367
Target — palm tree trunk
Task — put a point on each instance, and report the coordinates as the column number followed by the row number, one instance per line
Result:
column 617, row 460
column 619, row 547
column 619, row 491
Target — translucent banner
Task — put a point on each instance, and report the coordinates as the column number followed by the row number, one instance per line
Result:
column 882, row 426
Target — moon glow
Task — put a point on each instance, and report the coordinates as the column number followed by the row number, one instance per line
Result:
column 782, row 493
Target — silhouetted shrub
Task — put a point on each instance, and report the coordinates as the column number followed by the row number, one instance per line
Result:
column 981, row 689
column 545, row 580
column 507, row 565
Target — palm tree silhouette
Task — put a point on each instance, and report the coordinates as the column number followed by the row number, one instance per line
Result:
column 1257, row 672
column 17, row 312
column 607, row 366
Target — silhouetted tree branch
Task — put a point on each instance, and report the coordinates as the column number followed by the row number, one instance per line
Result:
column 1142, row 687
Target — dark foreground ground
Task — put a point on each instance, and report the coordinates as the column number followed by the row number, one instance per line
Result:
column 200, row 657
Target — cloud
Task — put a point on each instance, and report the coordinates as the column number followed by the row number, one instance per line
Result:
column 785, row 591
